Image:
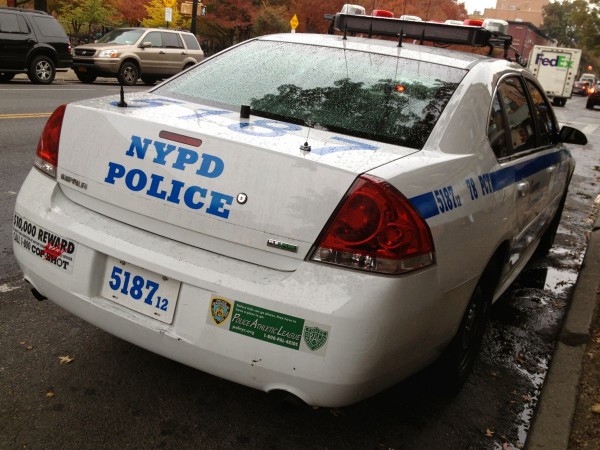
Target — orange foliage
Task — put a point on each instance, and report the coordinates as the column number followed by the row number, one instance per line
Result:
column 310, row 12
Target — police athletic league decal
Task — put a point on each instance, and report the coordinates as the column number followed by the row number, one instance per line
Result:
column 268, row 326
column 50, row 247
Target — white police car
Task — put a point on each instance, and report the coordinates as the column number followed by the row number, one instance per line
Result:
column 318, row 214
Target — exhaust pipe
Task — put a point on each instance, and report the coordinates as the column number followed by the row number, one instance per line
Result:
column 38, row 296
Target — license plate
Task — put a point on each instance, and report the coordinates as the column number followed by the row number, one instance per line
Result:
column 141, row 290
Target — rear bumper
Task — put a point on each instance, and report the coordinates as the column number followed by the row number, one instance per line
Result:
column 378, row 330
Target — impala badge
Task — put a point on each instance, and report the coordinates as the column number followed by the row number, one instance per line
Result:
column 282, row 245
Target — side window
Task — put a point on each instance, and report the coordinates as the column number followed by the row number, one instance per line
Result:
column 544, row 116
column 9, row 23
column 497, row 130
column 518, row 114
column 155, row 38
column 172, row 40
column 49, row 26
column 23, row 25
column 190, row 41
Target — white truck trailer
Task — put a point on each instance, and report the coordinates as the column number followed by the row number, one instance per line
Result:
column 556, row 70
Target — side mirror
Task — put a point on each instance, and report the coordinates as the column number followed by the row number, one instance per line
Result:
column 146, row 44
column 570, row 135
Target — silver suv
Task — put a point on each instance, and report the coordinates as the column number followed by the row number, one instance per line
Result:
column 132, row 53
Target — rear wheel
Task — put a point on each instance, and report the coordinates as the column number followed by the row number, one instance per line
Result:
column 6, row 77
column 589, row 105
column 86, row 77
column 456, row 363
column 128, row 74
column 41, row 70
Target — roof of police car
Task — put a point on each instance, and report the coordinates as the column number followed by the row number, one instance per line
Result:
column 443, row 56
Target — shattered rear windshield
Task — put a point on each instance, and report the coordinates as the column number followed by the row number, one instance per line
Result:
column 378, row 97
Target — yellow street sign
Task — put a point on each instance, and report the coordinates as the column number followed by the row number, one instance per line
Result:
column 294, row 22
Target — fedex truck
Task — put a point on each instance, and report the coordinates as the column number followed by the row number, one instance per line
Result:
column 556, row 70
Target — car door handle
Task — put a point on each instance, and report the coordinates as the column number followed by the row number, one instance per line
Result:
column 551, row 170
column 183, row 53
column 523, row 188
column 161, row 53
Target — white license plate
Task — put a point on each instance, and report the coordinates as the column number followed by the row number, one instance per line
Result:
column 141, row 290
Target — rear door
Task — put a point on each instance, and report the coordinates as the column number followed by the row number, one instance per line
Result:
column 174, row 53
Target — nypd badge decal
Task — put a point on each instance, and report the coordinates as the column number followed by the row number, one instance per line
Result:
column 268, row 326
column 219, row 309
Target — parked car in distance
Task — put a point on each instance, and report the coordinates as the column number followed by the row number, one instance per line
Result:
column 593, row 97
column 590, row 78
column 581, row 88
column 132, row 53
column 34, row 43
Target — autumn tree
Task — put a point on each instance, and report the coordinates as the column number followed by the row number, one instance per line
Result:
column 271, row 19
column 310, row 12
column 228, row 21
column 155, row 16
column 77, row 14
column 133, row 11
column 574, row 24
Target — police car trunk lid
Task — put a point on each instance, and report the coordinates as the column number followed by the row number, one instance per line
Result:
column 205, row 177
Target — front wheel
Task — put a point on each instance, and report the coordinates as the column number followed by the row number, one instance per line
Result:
column 547, row 239
column 128, row 74
column 86, row 77
column 41, row 70
column 149, row 81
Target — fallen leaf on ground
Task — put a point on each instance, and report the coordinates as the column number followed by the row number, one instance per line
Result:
column 489, row 433
column 50, row 394
column 65, row 359
column 596, row 408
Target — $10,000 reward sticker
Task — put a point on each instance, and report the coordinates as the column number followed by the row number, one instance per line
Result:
column 52, row 248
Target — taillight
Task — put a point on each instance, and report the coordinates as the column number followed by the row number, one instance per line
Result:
column 46, row 156
column 376, row 229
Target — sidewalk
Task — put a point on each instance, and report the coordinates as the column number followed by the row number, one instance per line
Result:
column 556, row 408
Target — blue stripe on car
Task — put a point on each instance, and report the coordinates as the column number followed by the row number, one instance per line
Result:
column 426, row 203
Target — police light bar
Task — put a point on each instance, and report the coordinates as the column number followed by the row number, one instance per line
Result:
column 440, row 33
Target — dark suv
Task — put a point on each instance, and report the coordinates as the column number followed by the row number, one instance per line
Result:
column 34, row 43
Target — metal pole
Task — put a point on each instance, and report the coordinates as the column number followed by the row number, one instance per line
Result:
column 194, row 14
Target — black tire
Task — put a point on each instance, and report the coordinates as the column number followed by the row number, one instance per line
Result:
column 6, row 77
column 456, row 363
column 41, row 70
column 149, row 81
column 547, row 239
column 589, row 105
column 86, row 77
column 128, row 74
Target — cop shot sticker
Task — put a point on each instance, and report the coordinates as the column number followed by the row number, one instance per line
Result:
column 52, row 248
column 268, row 326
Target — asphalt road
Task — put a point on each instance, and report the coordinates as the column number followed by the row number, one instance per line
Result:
column 65, row 384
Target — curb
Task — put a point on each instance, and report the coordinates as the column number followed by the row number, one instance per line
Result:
column 556, row 408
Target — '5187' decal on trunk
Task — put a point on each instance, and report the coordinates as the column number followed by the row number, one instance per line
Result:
column 49, row 246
